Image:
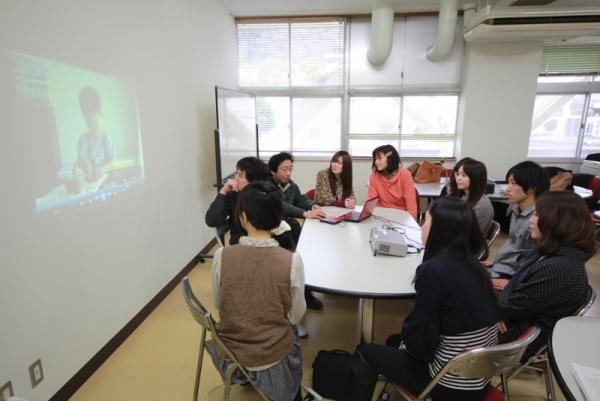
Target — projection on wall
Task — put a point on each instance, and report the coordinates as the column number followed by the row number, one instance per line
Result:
column 78, row 131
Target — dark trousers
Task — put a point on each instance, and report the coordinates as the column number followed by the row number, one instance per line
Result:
column 400, row 367
column 296, row 228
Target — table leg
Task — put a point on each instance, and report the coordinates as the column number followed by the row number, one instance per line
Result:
column 367, row 319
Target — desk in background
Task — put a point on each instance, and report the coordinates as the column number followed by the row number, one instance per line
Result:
column 338, row 260
column 574, row 339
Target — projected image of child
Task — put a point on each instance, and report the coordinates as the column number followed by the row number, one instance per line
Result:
column 95, row 150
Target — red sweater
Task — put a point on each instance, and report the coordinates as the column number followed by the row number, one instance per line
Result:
column 397, row 192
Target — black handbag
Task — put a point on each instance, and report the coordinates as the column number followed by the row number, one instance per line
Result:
column 332, row 374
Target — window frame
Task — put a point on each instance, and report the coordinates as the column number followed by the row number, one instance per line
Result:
column 346, row 92
column 587, row 89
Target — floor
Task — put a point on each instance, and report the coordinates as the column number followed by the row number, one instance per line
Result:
column 158, row 361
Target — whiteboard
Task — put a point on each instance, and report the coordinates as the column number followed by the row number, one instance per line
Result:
column 236, row 133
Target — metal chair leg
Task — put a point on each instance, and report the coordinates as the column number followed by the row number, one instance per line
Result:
column 199, row 364
column 505, row 387
column 230, row 371
column 550, row 393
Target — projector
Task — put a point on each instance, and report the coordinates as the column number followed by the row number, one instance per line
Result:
column 387, row 242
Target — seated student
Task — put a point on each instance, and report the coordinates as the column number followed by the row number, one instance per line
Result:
column 221, row 210
column 526, row 181
column 455, row 310
column 551, row 281
column 468, row 183
column 258, row 314
column 295, row 203
column 334, row 184
column 392, row 184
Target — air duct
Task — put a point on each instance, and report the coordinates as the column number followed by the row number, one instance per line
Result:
column 445, row 33
column 382, row 31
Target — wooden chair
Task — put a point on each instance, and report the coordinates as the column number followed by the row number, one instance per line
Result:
column 495, row 360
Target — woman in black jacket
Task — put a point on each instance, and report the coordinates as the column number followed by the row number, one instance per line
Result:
column 455, row 310
column 551, row 281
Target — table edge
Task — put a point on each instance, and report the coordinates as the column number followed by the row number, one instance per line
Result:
column 556, row 371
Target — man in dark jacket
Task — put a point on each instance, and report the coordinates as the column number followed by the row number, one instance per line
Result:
column 295, row 204
column 221, row 211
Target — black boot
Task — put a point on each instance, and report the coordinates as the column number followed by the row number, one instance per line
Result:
column 364, row 381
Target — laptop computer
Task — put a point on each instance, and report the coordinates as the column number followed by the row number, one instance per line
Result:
column 335, row 219
column 365, row 213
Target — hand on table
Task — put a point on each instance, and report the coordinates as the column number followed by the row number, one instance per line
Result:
column 314, row 213
column 350, row 203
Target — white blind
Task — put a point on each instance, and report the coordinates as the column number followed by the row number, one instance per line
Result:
column 570, row 59
column 296, row 53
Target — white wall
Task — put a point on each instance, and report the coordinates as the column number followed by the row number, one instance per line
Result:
column 499, row 85
column 70, row 282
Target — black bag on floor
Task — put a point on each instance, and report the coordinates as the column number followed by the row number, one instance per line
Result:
column 332, row 374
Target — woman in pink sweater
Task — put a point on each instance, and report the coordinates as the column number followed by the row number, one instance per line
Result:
column 391, row 183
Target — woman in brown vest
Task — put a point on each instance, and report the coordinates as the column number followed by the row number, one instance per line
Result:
column 258, row 287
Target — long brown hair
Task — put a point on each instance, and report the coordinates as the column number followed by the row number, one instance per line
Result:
column 564, row 220
column 345, row 176
column 477, row 173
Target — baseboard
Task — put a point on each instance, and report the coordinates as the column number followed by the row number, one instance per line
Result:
column 71, row 386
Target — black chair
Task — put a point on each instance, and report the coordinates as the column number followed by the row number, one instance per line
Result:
column 593, row 157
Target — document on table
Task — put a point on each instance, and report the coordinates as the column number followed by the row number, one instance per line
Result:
column 588, row 380
column 334, row 211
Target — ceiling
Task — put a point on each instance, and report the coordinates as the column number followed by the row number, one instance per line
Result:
column 253, row 8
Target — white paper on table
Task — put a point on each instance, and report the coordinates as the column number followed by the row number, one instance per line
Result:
column 588, row 380
column 334, row 211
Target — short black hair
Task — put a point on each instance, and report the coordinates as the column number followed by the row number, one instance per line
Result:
column 89, row 101
column 254, row 168
column 262, row 203
column 279, row 158
column 393, row 158
column 529, row 175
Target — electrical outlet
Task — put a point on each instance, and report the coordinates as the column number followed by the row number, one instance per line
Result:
column 36, row 373
column 6, row 391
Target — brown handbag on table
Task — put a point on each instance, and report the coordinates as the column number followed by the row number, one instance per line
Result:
column 429, row 172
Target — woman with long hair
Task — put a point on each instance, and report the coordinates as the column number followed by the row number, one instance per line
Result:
column 455, row 310
column 334, row 184
column 468, row 183
column 258, row 287
column 391, row 183
column 551, row 281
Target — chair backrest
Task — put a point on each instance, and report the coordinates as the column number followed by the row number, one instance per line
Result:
column 493, row 232
column 490, row 237
column 595, row 187
column 589, row 300
column 220, row 234
column 205, row 319
column 310, row 194
column 419, row 218
column 489, row 361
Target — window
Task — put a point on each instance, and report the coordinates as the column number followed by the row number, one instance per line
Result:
column 316, row 93
column 419, row 126
column 566, row 116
